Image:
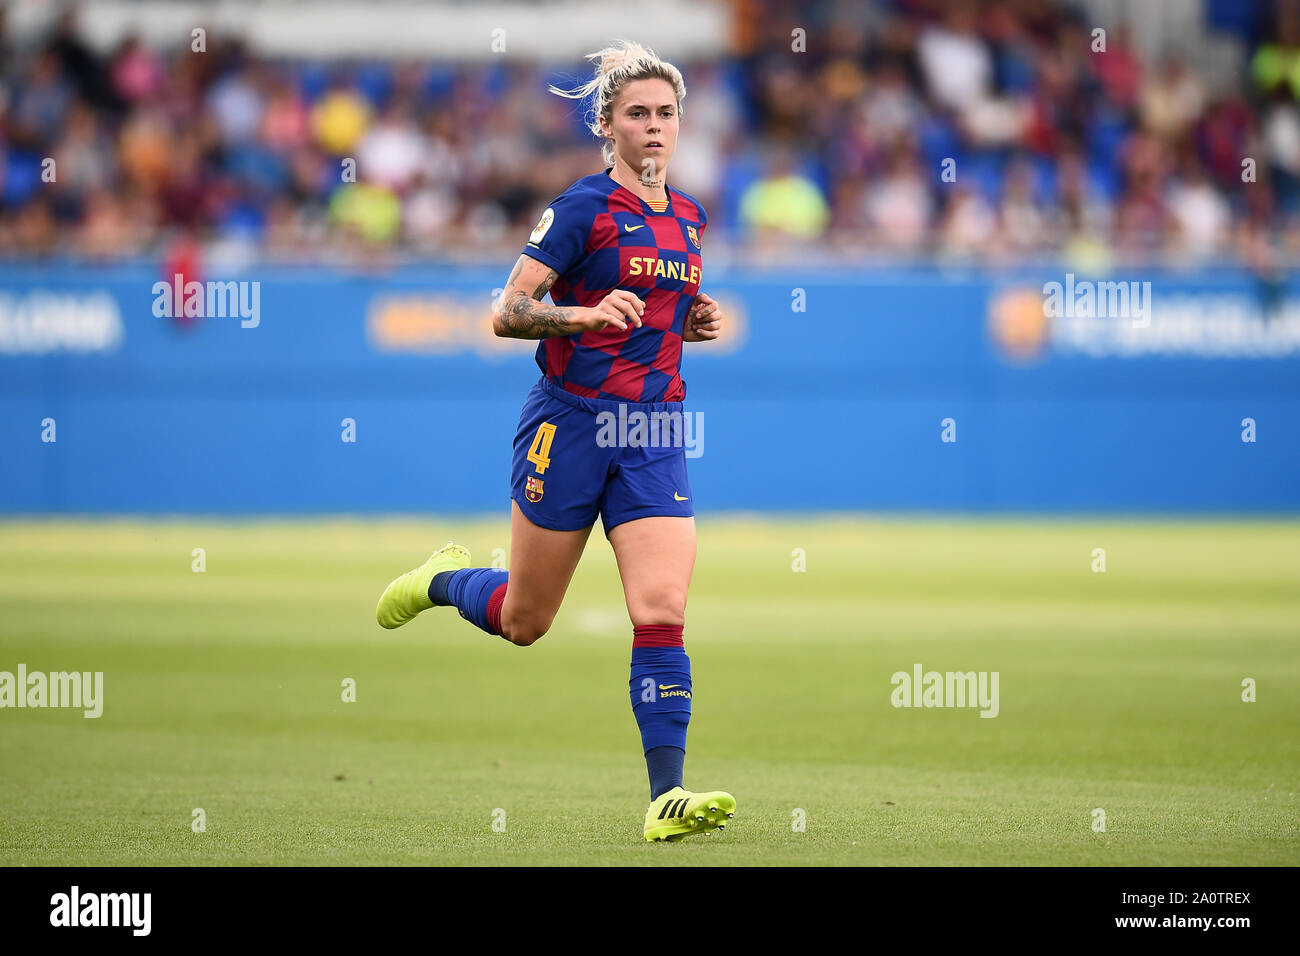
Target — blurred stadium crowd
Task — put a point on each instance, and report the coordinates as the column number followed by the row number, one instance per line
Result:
column 1058, row 151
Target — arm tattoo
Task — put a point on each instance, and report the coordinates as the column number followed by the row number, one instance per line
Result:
column 545, row 286
column 526, row 317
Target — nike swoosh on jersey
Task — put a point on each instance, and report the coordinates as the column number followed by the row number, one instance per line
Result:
column 680, row 498
column 633, row 228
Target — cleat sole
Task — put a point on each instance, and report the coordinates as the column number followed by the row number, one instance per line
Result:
column 704, row 813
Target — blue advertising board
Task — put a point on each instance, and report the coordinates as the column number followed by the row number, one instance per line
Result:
column 306, row 390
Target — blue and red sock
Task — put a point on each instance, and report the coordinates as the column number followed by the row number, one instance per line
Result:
column 660, row 685
column 478, row 593
column 660, row 689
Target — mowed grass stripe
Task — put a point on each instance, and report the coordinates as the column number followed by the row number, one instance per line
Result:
column 1118, row 690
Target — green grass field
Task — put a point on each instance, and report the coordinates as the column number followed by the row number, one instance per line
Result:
column 223, row 691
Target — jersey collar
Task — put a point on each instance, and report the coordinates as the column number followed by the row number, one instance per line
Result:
column 645, row 206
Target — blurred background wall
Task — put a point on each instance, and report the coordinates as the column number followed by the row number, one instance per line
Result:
column 872, row 297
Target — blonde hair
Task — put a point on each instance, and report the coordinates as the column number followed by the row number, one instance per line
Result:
column 617, row 65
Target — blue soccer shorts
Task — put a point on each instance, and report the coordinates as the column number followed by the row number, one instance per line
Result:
column 577, row 457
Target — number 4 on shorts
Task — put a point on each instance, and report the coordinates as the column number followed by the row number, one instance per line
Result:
column 539, row 452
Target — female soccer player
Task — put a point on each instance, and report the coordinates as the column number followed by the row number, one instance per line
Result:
column 620, row 254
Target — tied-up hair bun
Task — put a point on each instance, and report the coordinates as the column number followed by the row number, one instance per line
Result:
column 617, row 65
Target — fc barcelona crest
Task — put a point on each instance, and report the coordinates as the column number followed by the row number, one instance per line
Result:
column 694, row 236
column 533, row 489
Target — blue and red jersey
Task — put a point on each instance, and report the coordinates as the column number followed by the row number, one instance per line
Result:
column 600, row 236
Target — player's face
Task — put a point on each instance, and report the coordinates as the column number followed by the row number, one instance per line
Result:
column 644, row 124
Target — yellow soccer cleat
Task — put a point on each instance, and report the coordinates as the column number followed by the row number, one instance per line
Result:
column 408, row 595
column 679, row 813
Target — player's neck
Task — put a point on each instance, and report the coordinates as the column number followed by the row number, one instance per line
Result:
column 630, row 179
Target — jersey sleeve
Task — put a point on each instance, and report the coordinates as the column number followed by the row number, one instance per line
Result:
column 560, row 237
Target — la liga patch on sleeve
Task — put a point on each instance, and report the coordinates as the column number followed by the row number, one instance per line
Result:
column 543, row 225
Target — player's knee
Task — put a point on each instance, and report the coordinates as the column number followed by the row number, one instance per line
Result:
column 524, row 632
column 664, row 606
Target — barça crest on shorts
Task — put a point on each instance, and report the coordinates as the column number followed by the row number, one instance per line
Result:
column 533, row 489
column 694, row 236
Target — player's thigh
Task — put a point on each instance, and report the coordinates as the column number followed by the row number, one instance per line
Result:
column 542, row 563
column 656, row 557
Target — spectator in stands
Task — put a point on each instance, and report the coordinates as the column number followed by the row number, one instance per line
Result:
column 1059, row 149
